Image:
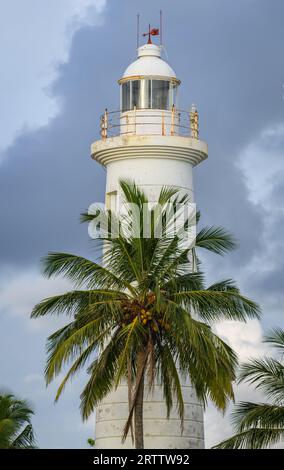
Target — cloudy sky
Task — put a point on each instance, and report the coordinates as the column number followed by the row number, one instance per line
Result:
column 60, row 61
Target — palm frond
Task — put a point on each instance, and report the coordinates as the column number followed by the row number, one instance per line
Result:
column 257, row 438
column 25, row 440
column 102, row 371
column 132, row 193
column 173, row 381
column 262, row 415
column 265, row 374
column 79, row 364
column 212, row 305
column 82, row 271
column 72, row 344
column 15, row 422
column 276, row 338
column 166, row 194
column 215, row 239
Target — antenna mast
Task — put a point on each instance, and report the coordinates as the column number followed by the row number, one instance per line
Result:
column 161, row 28
column 138, row 28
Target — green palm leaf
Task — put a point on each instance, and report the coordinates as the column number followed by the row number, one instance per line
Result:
column 215, row 239
column 265, row 374
column 259, row 425
column 252, row 439
column 16, row 430
column 261, row 415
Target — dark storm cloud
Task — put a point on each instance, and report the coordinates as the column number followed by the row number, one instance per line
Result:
column 228, row 55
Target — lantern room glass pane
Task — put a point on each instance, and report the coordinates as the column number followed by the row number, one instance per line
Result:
column 148, row 94
column 174, row 93
column 145, row 94
column 160, row 94
column 135, row 95
column 125, row 96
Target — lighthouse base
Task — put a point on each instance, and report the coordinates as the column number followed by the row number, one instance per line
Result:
column 159, row 432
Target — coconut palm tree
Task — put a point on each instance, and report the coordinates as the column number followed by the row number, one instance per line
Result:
column 259, row 425
column 16, row 430
column 141, row 314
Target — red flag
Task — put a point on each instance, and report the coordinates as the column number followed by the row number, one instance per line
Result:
column 155, row 32
column 152, row 32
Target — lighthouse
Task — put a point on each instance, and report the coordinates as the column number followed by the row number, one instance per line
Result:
column 153, row 141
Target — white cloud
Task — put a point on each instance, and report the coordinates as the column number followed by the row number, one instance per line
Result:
column 218, row 427
column 20, row 291
column 246, row 340
column 34, row 37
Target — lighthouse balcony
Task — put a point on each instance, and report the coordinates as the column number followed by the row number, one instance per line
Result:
column 170, row 122
column 149, row 134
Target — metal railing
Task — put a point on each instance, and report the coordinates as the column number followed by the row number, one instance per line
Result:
column 150, row 122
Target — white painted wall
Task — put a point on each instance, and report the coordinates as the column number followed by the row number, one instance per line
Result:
column 159, row 432
column 152, row 162
column 151, row 174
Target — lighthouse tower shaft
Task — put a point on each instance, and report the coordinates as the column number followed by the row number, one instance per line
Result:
column 149, row 141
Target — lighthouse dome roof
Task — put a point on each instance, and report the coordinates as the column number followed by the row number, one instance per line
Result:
column 149, row 62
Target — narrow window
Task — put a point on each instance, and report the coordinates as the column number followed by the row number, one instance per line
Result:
column 111, row 201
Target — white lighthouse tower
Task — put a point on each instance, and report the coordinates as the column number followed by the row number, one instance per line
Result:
column 152, row 142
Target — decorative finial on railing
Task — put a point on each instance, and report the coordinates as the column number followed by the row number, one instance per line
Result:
column 194, row 122
column 173, row 120
column 104, row 125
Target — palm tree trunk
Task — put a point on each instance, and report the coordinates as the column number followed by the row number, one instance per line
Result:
column 138, row 412
column 129, row 385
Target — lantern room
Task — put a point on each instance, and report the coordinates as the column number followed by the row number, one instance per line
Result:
column 149, row 100
column 149, row 82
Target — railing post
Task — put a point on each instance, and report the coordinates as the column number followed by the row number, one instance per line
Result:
column 127, row 124
column 103, row 121
column 163, row 123
column 104, row 125
column 194, row 122
column 173, row 120
column 135, row 119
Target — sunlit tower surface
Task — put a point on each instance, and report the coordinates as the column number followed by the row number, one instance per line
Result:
column 151, row 141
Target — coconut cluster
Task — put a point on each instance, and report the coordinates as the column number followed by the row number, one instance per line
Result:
column 146, row 313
